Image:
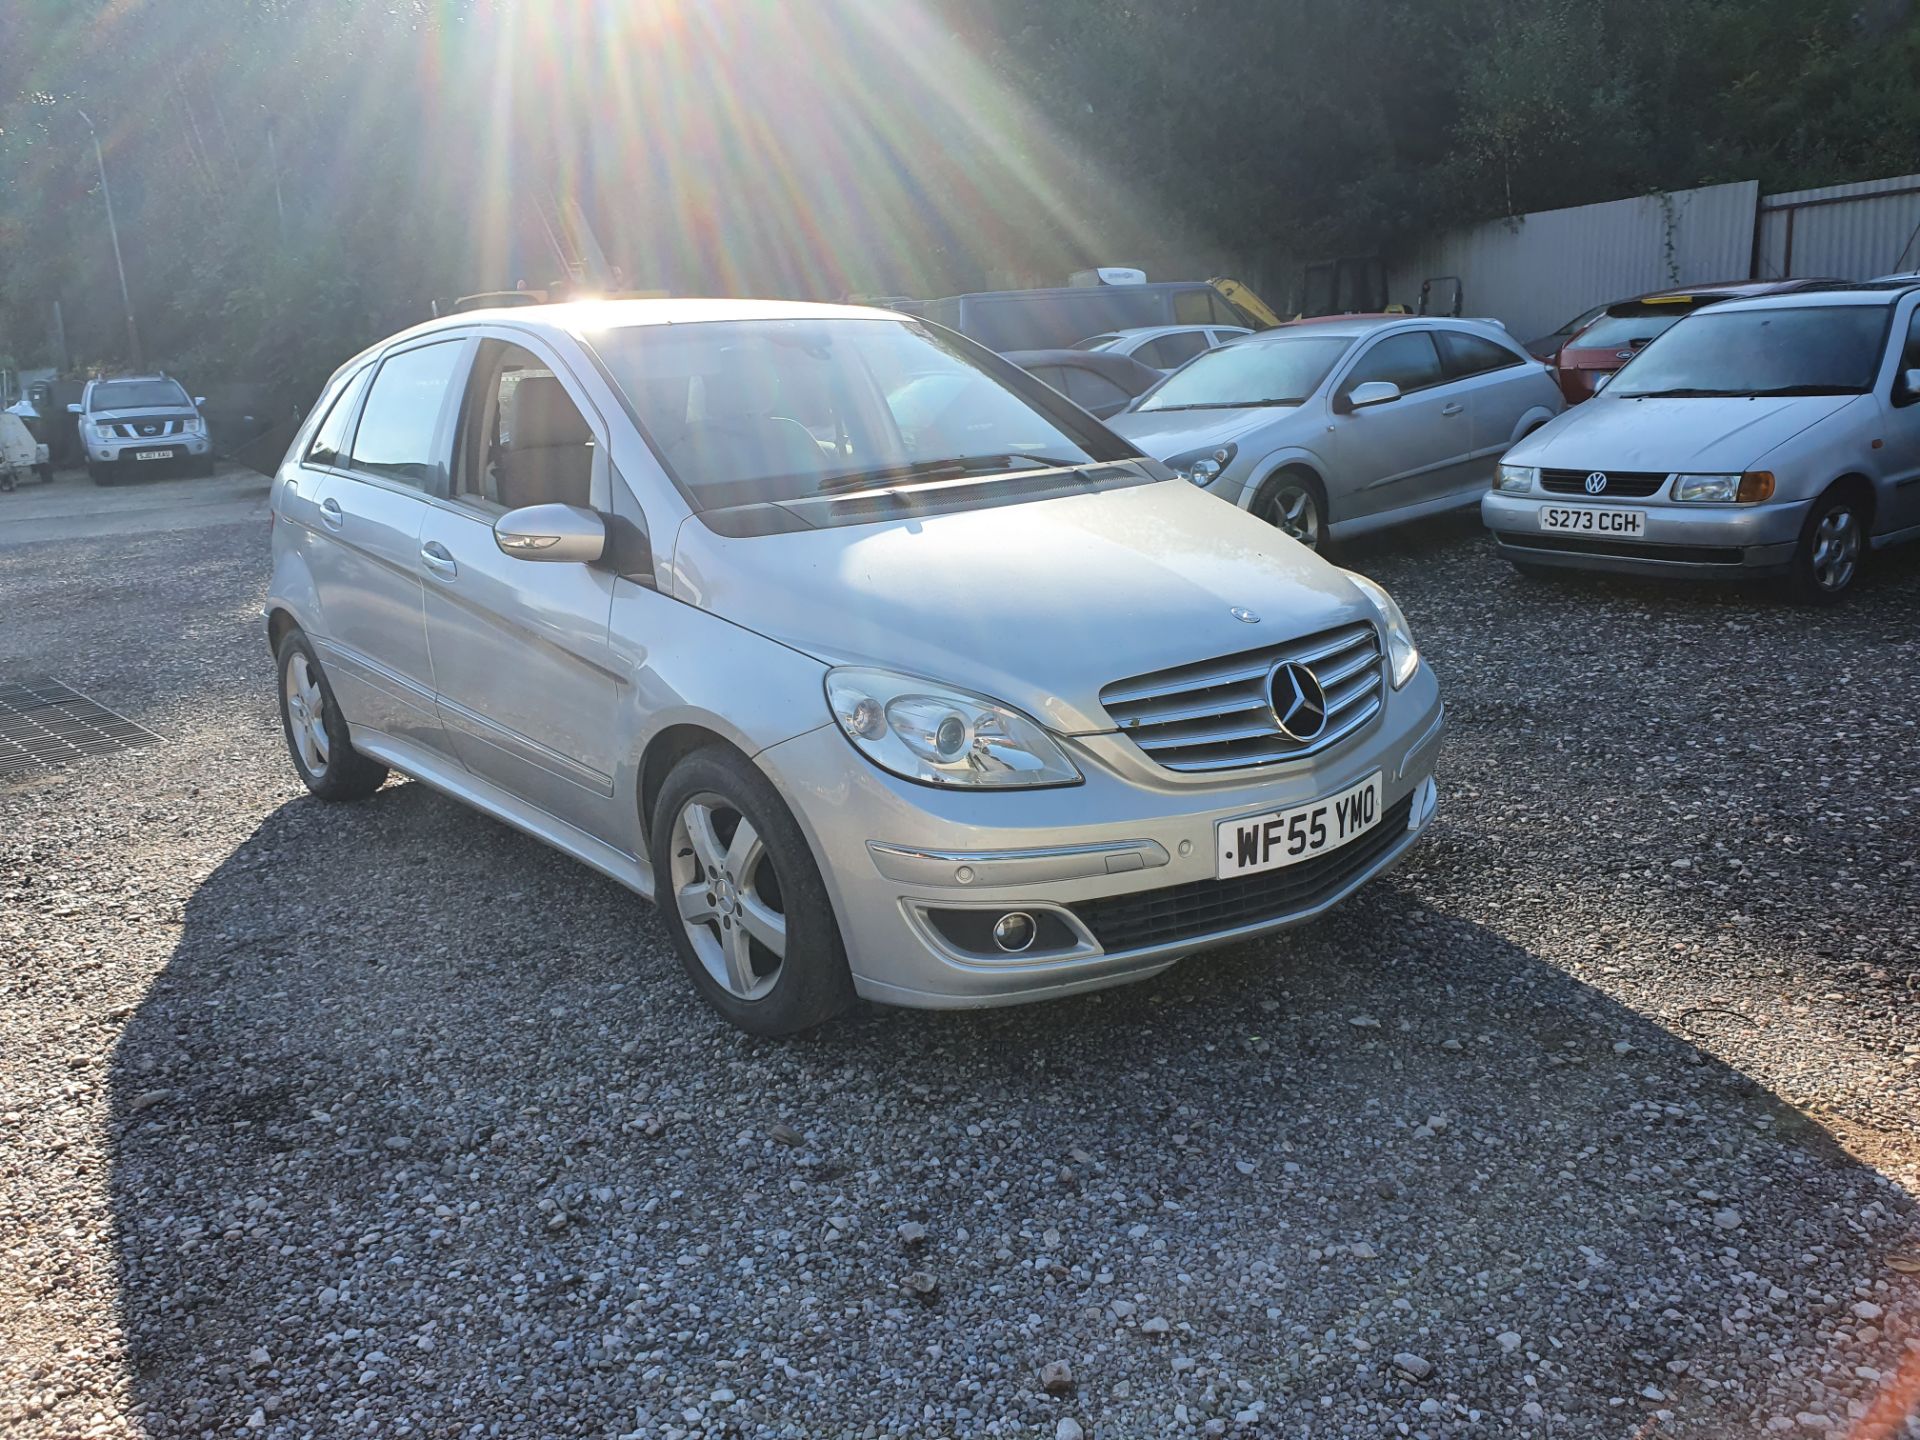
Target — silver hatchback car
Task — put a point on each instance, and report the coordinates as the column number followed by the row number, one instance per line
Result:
column 885, row 669
column 1330, row 428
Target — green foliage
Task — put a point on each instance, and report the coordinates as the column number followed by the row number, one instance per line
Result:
column 917, row 146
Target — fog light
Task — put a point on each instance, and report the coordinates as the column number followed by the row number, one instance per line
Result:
column 1014, row 932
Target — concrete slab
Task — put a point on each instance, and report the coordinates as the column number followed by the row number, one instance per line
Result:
column 72, row 507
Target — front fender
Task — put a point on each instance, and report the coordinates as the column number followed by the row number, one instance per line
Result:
column 1534, row 418
column 1287, row 457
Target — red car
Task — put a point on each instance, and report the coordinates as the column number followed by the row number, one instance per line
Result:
column 1619, row 331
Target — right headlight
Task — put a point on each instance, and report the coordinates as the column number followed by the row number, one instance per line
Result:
column 1403, row 656
column 1515, row 479
column 1203, row 467
column 942, row 736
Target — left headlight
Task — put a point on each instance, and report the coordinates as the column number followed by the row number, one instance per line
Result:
column 1514, row 479
column 196, row 425
column 1748, row 489
column 1203, row 467
column 1403, row 656
column 941, row 736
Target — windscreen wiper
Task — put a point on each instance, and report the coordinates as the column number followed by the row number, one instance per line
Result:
column 944, row 469
column 1219, row 405
column 1681, row 394
column 1809, row 390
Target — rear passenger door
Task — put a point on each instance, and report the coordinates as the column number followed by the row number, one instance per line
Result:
column 1494, row 379
column 1404, row 452
column 368, row 497
column 523, row 670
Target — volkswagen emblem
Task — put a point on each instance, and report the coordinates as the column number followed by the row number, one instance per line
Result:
column 1299, row 704
column 1244, row 616
column 1596, row 482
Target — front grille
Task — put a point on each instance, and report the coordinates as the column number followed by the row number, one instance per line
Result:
column 1218, row 714
column 147, row 429
column 1208, row 907
column 1628, row 549
column 1629, row 484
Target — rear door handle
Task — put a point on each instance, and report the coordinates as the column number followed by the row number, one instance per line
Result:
column 331, row 515
column 438, row 560
column 1453, row 409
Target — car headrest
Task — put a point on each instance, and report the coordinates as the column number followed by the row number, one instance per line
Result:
column 541, row 414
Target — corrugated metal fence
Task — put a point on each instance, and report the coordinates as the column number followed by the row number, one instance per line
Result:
column 1534, row 272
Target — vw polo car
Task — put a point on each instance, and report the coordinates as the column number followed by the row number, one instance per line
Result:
column 938, row 705
column 141, row 422
column 1776, row 436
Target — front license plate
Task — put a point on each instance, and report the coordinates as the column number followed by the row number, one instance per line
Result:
column 1286, row 837
column 1593, row 520
column 153, row 454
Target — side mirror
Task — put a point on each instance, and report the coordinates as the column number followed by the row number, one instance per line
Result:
column 1602, row 380
column 1373, row 392
column 199, row 399
column 73, row 407
column 1910, row 381
column 551, row 532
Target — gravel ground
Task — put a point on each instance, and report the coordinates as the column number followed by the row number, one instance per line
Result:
column 1600, row 1117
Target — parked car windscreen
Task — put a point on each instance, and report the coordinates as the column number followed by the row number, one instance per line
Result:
column 1281, row 370
column 746, row 412
column 136, row 395
column 1618, row 332
column 1098, row 342
column 1802, row 350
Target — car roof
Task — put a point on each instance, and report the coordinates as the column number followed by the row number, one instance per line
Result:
column 1121, row 368
column 1354, row 326
column 1869, row 293
column 1141, row 332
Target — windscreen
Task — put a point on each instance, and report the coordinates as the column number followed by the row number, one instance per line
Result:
column 136, row 395
column 1802, row 350
column 1280, row 370
column 751, row 411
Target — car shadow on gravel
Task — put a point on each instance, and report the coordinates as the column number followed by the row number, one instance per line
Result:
column 422, row 1127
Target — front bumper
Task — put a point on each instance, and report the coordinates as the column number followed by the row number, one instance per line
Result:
column 1119, row 872
column 109, row 452
column 1730, row 541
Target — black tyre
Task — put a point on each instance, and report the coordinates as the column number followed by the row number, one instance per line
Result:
column 316, row 733
column 1293, row 502
column 202, row 468
column 103, row 472
column 1833, row 547
column 741, row 893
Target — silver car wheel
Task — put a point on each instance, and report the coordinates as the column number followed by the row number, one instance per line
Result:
column 1294, row 510
column 306, row 715
column 728, row 897
column 1836, row 549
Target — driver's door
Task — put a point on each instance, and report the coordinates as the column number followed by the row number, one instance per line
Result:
column 1406, row 451
column 524, row 674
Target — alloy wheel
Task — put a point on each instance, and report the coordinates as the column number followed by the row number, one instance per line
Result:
column 728, row 896
column 1836, row 549
column 1294, row 510
column 306, row 715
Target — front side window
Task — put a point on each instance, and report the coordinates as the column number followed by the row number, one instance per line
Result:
column 1407, row 360
column 1170, row 352
column 401, row 419
column 1796, row 350
column 137, row 395
column 1282, row 370
column 524, row 440
column 751, row 411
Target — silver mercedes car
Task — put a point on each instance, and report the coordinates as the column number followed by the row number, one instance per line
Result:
column 1778, row 436
column 1330, row 428
column 886, row 670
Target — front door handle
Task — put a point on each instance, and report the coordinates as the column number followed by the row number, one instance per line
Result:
column 1453, row 409
column 438, row 560
column 331, row 515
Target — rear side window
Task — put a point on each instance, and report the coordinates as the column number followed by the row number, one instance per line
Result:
column 402, row 415
column 1473, row 354
column 1407, row 360
column 329, row 445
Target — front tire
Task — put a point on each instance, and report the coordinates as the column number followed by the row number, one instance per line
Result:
column 316, row 732
column 1833, row 547
column 1295, row 504
column 103, row 472
column 740, row 891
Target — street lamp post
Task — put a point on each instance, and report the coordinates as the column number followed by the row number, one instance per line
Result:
column 113, row 230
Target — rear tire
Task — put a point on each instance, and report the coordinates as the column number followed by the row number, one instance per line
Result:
column 316, row 732
column 1295, row 503
column 737, row 885
column 1833, row 547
